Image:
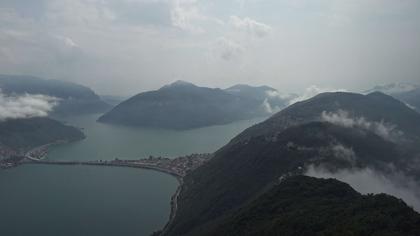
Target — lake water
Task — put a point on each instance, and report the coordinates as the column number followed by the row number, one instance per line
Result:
column 82, row 200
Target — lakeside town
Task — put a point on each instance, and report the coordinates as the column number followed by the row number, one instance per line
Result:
column 10, row 158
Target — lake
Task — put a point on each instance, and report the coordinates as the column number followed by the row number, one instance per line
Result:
column 83, row 200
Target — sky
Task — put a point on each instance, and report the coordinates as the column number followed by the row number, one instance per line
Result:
column 122, row 47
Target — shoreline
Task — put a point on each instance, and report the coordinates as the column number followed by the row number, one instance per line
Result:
column 174, row 207
column 174, row 197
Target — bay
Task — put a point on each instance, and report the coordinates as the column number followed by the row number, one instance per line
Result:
column 106, row 201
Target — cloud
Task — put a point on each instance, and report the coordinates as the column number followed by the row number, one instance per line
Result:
column 79, row 12
column 313, row 91
column 267, row 106
column 145, row 35
column 184, row 15
column 25, row 106
column 385, row 130
column 274, row 94
column 369, row 180
column 344, row 153
column 250, row 26
column 411, row 107
column 228, row 49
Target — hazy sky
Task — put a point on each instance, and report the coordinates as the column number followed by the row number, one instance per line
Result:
column 127, row 46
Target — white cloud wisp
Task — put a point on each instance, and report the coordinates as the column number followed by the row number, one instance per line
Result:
column 25, row 106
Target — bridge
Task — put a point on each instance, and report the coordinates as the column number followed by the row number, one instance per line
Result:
column 177, row 167
column 118, row 163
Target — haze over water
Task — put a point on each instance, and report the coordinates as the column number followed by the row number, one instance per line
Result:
column 83, row 200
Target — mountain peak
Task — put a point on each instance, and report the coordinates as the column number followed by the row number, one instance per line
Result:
column 238, row 87
column 179, row 83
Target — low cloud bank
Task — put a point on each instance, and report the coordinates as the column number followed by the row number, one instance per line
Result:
column 342, row 118
column 368, row 180
column 25, row 106
column 250, row 26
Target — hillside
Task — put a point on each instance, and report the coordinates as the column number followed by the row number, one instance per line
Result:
column 25, row 134
column 240, row 172
column 182, row 105
column 74, row 99
column 288, row 143
column 303, row 205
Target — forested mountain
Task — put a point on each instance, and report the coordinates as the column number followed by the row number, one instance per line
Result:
column 333, row 130
column 376, row 107
column 182, row 105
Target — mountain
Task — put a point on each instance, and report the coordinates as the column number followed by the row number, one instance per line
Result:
column 272, row 98
column 303, row 205
column 240, row 172
column 406, row 92
column 316, row 132
column 74, row 99
column 372, row 107
column 20, row 135
column 182, row 105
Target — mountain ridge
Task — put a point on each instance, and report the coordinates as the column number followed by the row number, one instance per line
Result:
column 183, row 105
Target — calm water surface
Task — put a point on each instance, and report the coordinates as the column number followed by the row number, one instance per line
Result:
column 104, row 201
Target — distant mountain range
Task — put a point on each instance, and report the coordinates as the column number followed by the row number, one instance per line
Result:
column 237, row 192
column 182, row 105
column 74, row 99
column 406, row 92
